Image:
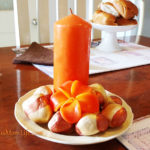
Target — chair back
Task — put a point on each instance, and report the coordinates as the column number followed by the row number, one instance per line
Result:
column 34, row 19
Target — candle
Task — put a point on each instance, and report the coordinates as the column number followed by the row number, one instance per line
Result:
column 72, row 36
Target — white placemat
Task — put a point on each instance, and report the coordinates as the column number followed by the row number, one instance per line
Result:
column 138, row 136
column 132, row 55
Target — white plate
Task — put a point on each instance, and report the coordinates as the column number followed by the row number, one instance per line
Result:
column 43, row 133
column 109, row 28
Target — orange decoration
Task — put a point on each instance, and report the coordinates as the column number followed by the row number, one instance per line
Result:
column 57, row 99
column 77, row 88
column 72, row 36
column 74, row 98
column 65, row 88
column 89, row 102
column 71, row 111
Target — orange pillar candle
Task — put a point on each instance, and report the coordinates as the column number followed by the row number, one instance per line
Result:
column 72, row 36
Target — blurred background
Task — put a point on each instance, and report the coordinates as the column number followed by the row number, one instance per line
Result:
column 8, row 26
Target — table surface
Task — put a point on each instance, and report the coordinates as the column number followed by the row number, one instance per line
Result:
column 133, row 85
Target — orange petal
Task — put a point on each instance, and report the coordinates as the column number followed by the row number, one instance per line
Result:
column 65, row 88
column 89, row 102
column 57, row 99
column 78, row 88
column 71, row 111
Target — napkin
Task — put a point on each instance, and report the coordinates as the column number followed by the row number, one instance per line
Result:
column 35, row 54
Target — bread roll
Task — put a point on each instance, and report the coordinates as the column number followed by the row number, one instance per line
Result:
column 103, row 18
column 37, row 108
column 116, row 114
column 122, row 22
column 109, row 8
column 58, row 125
column 91, row 124
column 44, row 90
column 125, row 8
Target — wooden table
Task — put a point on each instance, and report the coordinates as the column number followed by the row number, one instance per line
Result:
column 133, row 85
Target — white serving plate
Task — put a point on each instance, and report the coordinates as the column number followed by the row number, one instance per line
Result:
column 45, row 134
column 113, row 28
column 109, row 43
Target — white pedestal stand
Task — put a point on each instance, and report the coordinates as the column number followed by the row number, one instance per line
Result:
column 109, row 43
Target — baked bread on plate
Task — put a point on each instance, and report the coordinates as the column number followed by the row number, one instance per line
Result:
column 121, row 21
column 103, row 18
column 108, row 8
column 125, row 8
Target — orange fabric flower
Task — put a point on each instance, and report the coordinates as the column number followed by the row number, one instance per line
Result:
column 74, row 98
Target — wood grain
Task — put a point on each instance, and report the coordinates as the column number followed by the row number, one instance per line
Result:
column 133, row 85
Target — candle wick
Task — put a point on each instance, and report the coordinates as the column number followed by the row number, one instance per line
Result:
column 71, row 11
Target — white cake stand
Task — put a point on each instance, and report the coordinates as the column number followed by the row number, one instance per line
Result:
column 109, row 43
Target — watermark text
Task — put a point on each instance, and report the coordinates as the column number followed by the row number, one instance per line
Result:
column 9, row 132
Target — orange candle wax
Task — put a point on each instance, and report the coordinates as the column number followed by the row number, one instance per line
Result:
column 72, row 36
